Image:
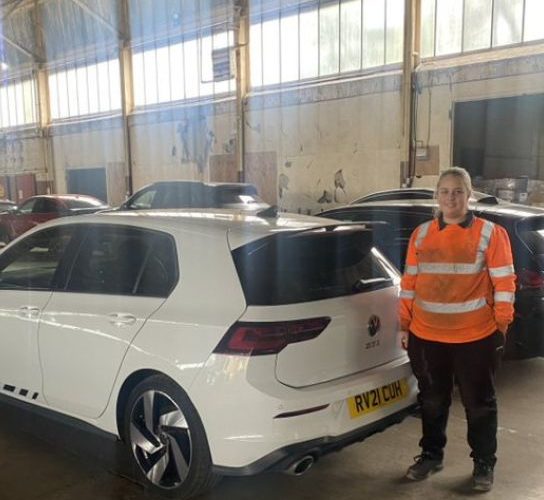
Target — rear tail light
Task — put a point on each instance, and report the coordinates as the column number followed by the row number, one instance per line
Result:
column 252, row 339
column 528, row 278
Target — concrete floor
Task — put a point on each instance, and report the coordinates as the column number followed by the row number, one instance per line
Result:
column 39, row 460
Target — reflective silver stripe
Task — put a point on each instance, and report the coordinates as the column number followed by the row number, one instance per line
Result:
column 451, row 307
column 411, row 270
column 422, row 232
column 501, row 272
column 462, row 268
column 504, row 297
column 407, row 294
column 447, row 268
column 485, row 235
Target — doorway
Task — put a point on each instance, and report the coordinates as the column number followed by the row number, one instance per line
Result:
column 91, row 181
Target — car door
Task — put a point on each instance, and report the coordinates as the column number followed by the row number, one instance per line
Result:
column 27, row 273
column 119, row 277
column 46, row 209
column 21, row 220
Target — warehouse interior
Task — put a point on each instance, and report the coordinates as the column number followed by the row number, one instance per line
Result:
column 316, row 103
column 313, row 102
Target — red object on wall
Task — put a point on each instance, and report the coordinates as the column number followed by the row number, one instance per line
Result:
column 4, row 188
column 25, row 186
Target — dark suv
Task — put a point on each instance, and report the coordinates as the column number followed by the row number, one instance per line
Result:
column 195, row 194
column 525, row 226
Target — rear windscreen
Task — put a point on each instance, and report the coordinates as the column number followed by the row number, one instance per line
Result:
column 313, row 265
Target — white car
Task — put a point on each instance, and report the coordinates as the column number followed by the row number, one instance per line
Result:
column 212, row 343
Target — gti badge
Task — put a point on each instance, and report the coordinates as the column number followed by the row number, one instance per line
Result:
column 374, row 325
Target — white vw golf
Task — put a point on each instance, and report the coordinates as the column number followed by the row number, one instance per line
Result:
column 212, row 343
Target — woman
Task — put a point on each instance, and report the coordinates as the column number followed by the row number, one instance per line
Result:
column 457, row 296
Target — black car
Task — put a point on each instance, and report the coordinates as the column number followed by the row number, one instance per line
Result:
column 195, row 194
column 525, row 226
column 420, row 194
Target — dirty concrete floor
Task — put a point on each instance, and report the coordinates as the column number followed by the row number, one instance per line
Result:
column 40, row 460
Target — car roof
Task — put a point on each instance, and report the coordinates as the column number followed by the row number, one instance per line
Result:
column 513, row 210
column 425, row 192
column 65, row 197
column 242, row 227
column 194, row 182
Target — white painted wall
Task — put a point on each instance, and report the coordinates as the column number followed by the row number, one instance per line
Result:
column 22, row 153
column 332, row 145
column 178, row 144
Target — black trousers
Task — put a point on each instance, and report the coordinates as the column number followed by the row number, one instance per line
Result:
column 472, row 366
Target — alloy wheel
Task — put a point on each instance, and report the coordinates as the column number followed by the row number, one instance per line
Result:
column 160, row 439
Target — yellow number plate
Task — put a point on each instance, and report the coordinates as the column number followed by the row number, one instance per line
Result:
column 375, row 399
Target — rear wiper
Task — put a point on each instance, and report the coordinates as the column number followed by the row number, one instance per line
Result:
column 364, row 284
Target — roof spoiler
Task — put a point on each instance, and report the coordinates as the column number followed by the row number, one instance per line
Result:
column 488, row 200
column 270, row 212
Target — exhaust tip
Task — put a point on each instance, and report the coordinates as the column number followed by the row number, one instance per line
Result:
column 300, row 466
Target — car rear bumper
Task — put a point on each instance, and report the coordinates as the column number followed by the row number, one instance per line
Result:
column 280, row 460
column 255, row 423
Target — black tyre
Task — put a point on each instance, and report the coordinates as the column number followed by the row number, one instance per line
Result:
column 166, row 439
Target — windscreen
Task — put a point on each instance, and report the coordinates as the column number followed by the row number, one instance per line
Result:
column 290, row 268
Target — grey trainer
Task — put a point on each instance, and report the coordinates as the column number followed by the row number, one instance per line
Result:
column 482, row 476
column 425, row 466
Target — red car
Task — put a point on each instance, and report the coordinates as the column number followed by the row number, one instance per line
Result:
column 36, row 209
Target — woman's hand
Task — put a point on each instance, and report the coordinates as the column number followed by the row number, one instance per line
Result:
column 404, row 335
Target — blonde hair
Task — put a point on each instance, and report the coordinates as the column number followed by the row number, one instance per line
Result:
column 458, row 172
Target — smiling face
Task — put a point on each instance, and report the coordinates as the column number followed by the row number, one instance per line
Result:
column 453, row 195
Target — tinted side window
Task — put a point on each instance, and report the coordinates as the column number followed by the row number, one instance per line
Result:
column 124, row 261
column 531, row 232
column 33, row 262
column 143, row 200
column 160, row 273
column 173, row 196
column 27, row 207
column 180, row 195
column 46, row 206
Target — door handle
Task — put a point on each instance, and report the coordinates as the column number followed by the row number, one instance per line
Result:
column 122, row 319
column 29, row 312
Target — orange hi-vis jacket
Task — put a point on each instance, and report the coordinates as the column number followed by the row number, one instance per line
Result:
column 459, row 282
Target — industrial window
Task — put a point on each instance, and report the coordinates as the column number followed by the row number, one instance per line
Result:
column 314, row 39
column 85, row 90
column 182, row 69
column 457, row 26
column 18, row 103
